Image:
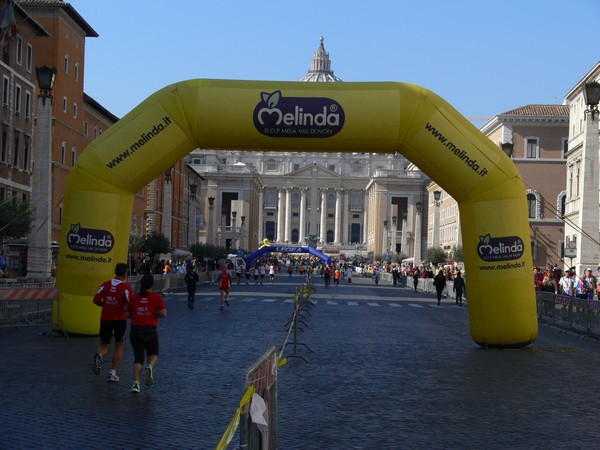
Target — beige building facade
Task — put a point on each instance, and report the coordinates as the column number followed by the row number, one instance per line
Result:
column 537, row 138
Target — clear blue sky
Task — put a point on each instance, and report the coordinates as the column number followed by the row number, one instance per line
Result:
column 484, row 57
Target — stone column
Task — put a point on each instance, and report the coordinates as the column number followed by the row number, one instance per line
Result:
column 588, row 218
column 288, row 215
column 365, row 217
column 323, row 233
column 280, row 219
column 338, row 212
column 302, row 227
column 345, row 216
column 261, row 226
column 39, row 256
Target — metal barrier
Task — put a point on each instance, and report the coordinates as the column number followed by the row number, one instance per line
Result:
column 255, row 433
column 26, row 306
column 570, row 313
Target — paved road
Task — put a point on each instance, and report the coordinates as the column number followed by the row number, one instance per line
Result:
column 389, row 370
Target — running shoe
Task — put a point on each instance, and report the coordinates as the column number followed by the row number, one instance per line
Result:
column 135, row 387
column 149, row 378
column 112, row 377
column 227, row 302
column 97, row 363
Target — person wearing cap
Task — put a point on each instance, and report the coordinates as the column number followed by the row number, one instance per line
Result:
column 566, row 283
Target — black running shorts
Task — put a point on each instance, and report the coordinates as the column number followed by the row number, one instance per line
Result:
column 144, row 341
column 110, row 327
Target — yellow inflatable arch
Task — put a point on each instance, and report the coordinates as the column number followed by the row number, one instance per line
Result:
column 328, row 117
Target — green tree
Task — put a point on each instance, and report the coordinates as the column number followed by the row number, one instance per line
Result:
column 200, row 251
column 15, row 219
column 435, row 255
column 155, row 244
column 136, row 243
column 458, row 254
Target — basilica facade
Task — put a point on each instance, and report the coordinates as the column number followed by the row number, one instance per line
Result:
column 343, row 203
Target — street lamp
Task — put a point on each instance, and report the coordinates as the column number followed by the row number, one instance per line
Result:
column 234, row 242
column 436, row 196
column 45, row 78
column 436, row 219
column 591, row 96
column 192, row 215
column 417, row 244
column 167, row 204
column 507, row 147
column 242, row 232
column 211, row 208
column 39, row 255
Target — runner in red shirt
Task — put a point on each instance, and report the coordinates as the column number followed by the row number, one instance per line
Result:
column 112, row 296
column 145, row 308
column 224, row 286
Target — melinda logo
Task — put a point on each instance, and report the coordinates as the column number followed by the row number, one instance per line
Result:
column 313, row 117
column 500, row 249
column 89, row 240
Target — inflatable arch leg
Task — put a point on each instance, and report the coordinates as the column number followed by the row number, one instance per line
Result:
column 329, row 117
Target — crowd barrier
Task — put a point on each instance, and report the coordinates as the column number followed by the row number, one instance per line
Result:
column 26, row 305
column 256, row 416
column 570, row 313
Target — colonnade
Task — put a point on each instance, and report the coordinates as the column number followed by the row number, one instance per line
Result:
column 299, row 215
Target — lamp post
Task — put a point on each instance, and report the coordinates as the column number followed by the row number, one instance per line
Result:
column 211, row 208
column 417, row 245
column 385, row 236
column 404, row 237
column 39, row 255
column 393, row 231
column 192, row 216
column 508, row 148
column 436, row 219
column 167, row 204
column 242, row 232
column 234, row 230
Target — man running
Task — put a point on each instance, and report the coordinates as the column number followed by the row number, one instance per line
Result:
column 113, row 297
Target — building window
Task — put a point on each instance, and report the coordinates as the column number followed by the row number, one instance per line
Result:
column 531, row 148
column 270, row 230
column 74, row 110
column 4, row 144
column 18, row 99
column 65, row 104
column 26, row 153
column 73, row 156
column 29, row 56
column 19, row 50
column 571, row 182
column 16, row 152
column 565, row 147
column 331, row 167
column 86, row 127
column 28, row 105
column 531, row 205
column 356, row 169
column 356, row 202
column 5, row 93
column 76, row 71
column 534, row 249
column 296, row 167
column 296, row 201
column 60, row 214
column 63, row 152
column 67, row 63
column 578, row 168
column 330, row 201
column 272, row 166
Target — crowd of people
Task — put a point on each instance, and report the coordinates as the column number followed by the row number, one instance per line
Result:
column 567, row 282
